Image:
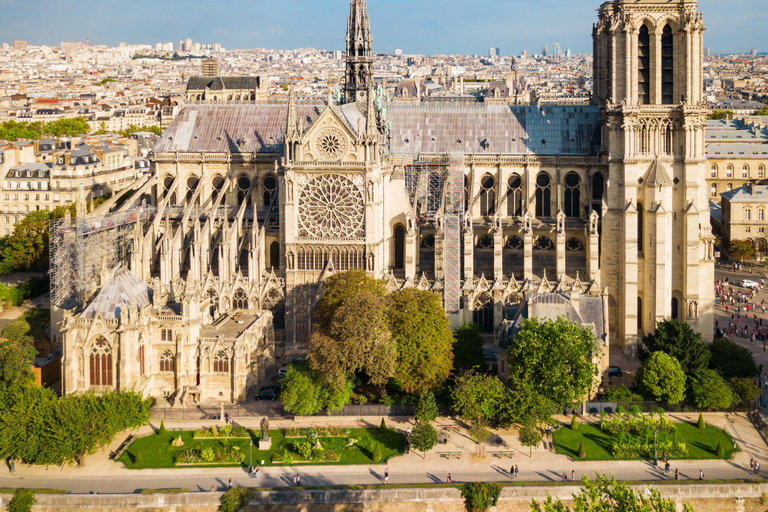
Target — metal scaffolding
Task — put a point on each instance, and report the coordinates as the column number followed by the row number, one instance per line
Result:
column 425, row 182
column 454, row 211
column 80, row 249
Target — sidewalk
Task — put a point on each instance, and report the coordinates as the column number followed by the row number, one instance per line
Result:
column 100, row 473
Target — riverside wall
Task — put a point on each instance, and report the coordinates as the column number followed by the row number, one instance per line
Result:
column 703, row 498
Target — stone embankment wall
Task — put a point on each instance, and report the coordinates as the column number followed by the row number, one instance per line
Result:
column 704, row 498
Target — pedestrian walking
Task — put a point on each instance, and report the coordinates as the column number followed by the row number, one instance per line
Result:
column 517, row 470
column 752, row 463
column 565, row 478
column 512, row 470
column 677, row 474
column 448, row 480
column 298, row 480
column 757, row 468
column 213, row 488
column 701, row 474
column 231, row 484
column 386, row 475
column 573, row 476
column 295, row 481
column 666, row 467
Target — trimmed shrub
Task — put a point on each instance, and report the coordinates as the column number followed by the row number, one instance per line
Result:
column 22, row 501
column 138, row 460
column 383, row 426
column 720, row 451
column 234, row 499
column 377, row 453
column 574, row 424
column 161, row 431
column 582, row 451
column 701, row 423
column 480, row 496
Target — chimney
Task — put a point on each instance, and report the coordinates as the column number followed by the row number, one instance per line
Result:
column 751, row 186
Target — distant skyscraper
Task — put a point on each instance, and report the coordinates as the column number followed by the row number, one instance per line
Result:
column 545, row 51
column 210, row 67
column 181, row 46
column 524, row 55
column 217, row 47
column 558, row 51
column 398, row 52
column 708, row 52
column 494, row 52
column 187, row 45
column 754, row 52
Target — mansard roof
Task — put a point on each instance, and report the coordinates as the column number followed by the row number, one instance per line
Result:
column 222, row 83
column 117, row 294
column 231, row 128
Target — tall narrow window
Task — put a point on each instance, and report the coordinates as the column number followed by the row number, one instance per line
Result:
column 101, row 363
column 644, row 66
column 667, row 66
column 745, row 171
column 572, row 195
column 270, row 190
column 675, row 308
column 598, row 190
column 221, row 362
column 639, row 314
column 487, row 196
column 640, row 215
column 543, row 195
column 399, row 247
column 141, row 360
column 515, row 196
column 274, row 255
column 713, row 171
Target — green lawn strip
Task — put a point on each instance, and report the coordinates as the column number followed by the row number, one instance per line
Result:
column 158, row 451
column 701, row 443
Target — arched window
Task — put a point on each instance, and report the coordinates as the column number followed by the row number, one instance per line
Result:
column 466, row 194
column 101, row 363
column 543, row 195
column 399, row 247
column 667, row 66
column 674, row 308
column 640, row 220
column 141, row 356
column 167, row 362
column 729, row 187
column 515, row 196
column 729, row 171
column 544, row 243
column 192, row 183
column 167, row 185
column 644, row 66
column 713, row 188
column 240, row 300
column 217, row 184
column 221, row 362
column 270, row 190
column 482, row 316
column 745, row 171
column 598, row 187
column 487, row 196
column 761, row 172
column 713, row 171
column 274, row 255
column 514, row 243
column 213, row 306
column 243, row 185
column 747, row 214
column 572, row 195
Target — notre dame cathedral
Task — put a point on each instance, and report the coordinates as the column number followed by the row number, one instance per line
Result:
column 256, row 204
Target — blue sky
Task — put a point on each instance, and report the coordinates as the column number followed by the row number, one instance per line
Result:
column 415, row 26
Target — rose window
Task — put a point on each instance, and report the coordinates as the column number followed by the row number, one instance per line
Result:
column 331, row 206
column 331, row 144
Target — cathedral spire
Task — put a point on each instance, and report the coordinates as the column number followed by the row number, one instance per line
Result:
column 359, row 72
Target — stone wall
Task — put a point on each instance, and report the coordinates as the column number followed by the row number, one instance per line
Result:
column 704, row 498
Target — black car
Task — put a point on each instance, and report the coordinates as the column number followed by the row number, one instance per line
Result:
column 614, row 371
column 275, row 387
column 267, row 394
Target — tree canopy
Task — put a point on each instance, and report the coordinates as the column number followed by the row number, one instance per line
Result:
column 341, row 287
column 424, row 340
column 28, row 245
column 708, row 390
column 730, row 360
column 477, row 397
column 741, row 250
column 679, row 341
column 13, row 130
column 16, row 354
column 661, row 378
column 304, row 394
column 468, row 349
column 553, row 360
column 719, row 115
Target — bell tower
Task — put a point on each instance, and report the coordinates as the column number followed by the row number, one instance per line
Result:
column 657, row 257
column 359, row 72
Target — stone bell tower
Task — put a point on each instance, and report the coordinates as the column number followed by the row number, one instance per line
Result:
column 359, row 73
column 657, row 257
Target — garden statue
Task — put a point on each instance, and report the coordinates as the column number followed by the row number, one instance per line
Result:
column 264, row 428
column 178, row 442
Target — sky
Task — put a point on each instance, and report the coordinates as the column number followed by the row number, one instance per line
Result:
column 416, row 26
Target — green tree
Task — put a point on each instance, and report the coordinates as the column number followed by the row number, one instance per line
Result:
column 700, row 423
column 235, row 499
column 522, row 404
column 376, row 453
column 468, row 348
column 17, row 353
column 341, row 287
column 582, row 452
column 554, row 360
column 383, row 425
column 480, row 496
column 660, row 377
column 720, row 451
column 607, row 495
column 530, row 435
column 426, row 409
column 138, row 461
column 424, row 340
column 423, row 437
column 28, row 245
column 709, row 390
column 477, row 398
column 679, row 341
column 744, row 389
column 301, row 394
column 102, row 128
column 719, row 115
column 574, row 423
column 730, row 360
column 68, row 127
column 161, row 431
column 22, row 500
column 741, row 250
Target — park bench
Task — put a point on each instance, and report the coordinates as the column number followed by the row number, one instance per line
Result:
column 452, row 428
column 503, row 454
column 450, row 455
column 122, row 449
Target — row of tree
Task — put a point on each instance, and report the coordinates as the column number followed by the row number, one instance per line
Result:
column 677, row 365
column 15, row 130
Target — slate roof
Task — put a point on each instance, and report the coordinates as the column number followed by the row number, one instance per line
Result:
column 742, row 195
column 117, row 294
column 438, row 128
column 737, row 150
column 218, row 128
column 221, row 83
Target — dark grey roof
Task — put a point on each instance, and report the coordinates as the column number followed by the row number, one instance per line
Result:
column 737, row 150
column 430, row 128
column 743, row 195
column 220, row 83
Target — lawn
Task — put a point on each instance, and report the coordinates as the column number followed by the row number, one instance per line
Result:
column 701, row 443
column 33, row 323
column 158, row 452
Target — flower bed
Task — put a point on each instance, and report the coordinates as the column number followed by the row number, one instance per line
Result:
column 322, row 450
column 225, row 432
column 202, row 456
column 314, row 433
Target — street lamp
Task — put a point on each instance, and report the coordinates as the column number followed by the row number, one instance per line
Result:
column 655, row 456
column 250, row 453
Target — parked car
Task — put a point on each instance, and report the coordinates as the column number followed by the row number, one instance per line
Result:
column 267, row 394
column 275, row 387
column 299, row 360
column 614, row 371
column 746, row 283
